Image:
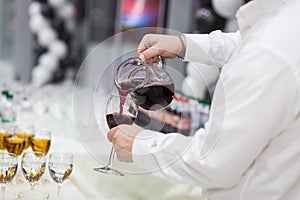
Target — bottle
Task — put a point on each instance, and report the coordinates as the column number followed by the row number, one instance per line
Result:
column 204, row 109
column 3, row 99
column 8, row 113
column 186, row 117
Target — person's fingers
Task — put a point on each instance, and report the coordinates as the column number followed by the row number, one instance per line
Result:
column 111, row 134
column 144, row 44
column 152, row 53
column 141, row 55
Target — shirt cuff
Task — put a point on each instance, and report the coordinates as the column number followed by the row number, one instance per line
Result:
column 144, row 148
column 197, row 47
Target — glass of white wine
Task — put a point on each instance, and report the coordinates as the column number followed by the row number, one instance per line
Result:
column 5, row 132
column 33, row 166
column 8, row 169
column 26, row 132
column 41, row 141
column 60, row 167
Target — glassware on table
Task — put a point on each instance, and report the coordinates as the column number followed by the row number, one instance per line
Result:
column 119, row 110
column 25, row 132
column 8, row 169
column 33, row 166
column 60, row 167
column 41, row 141
column 14, row 145
column 33, row 195
column 4, row 133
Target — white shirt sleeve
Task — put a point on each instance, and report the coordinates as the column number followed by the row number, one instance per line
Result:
column 247, row 113
column 213, row 49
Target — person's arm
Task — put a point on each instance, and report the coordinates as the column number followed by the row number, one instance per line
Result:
column 213, row 49
column 255, row 99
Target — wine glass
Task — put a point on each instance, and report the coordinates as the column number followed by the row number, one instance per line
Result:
column 41, row 141
column 25, row 132
column 60, row 167
column 14, row 145
column 8, row 169
column 119, row 110
column 33, row 166
column 4, row 133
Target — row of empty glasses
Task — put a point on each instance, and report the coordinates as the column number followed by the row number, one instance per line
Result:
column 33, row 165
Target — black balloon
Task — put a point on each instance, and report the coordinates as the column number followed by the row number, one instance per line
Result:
column 65, row 37
column 41, row 1
column 67, row 62
column 47, row 11
column 58, row 75
column 58, row 24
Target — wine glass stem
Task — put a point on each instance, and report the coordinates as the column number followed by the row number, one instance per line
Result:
column 32, row 186
column 3, row 191
column 58, row 191
column 111, row 156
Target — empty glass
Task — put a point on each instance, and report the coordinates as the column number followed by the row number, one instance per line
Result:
column 8, row 169
column 33, row 166
column 60, row 168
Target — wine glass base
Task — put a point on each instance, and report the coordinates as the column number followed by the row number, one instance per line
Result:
column 109, row 170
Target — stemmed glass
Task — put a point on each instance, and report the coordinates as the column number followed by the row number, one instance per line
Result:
column 8, row 169
column 4, row 133
column 25, row 132
column 41, row 141
column 119, row 110
column 33, row 166
column 60, row 167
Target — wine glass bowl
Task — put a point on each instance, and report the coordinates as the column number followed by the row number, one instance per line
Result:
column 60, row 168
column 119, row 110
column 33, row 166
column 41, row 141
column 8, row 169
column 25, row 132
column 4, row 133
column 14, row 145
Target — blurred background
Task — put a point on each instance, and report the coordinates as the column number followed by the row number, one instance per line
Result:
column 28, row 28
column 45, row 42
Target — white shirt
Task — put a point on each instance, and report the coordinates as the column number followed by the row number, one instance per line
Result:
column 250, row 147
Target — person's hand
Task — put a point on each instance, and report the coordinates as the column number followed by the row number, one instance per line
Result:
column 122, row 137
column 154, row 45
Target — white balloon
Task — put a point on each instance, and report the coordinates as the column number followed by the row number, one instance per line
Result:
column 227, row 8
column 57, row 3
column 48, row 62
column 58, row 48
column 46, row 37
column 38, row 22
column 40, row 76
column 34, row 8
column 67, row 11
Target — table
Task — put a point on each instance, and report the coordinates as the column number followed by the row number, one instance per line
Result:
column 51, row 108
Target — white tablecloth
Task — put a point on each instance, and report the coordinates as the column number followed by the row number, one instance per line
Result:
column 52, row 109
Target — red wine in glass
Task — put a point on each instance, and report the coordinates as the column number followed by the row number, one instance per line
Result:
column 116, row 119
column 150, row 97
